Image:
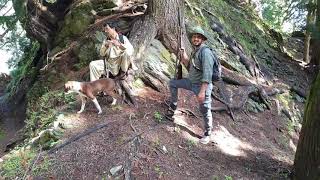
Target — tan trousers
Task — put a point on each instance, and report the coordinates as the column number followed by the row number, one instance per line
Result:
column 114, row 65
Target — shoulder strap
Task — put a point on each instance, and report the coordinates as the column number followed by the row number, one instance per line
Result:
column 121, row 38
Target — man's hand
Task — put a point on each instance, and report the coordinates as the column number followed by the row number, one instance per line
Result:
column 201, row 97
column 116, row 42
column 184, row 56
column 202, row 94
column 108, row 44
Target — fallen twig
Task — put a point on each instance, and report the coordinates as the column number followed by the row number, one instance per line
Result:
column 188, row 112
column 77, row 137
column 130, row 122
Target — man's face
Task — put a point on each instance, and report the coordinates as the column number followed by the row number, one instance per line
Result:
column 197, row 39
column 110, row 32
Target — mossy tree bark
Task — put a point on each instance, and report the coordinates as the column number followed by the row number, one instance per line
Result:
column 161, row 21
column 307, row 158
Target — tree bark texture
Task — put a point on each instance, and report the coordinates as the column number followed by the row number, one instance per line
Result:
column 161, row 21
column 307, row 158
column 315, row 60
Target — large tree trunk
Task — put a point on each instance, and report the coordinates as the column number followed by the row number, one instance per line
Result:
column 161, row 21
column 307, row 158
column 315, row 60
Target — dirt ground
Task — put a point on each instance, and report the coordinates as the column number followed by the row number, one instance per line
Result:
column 255, row 146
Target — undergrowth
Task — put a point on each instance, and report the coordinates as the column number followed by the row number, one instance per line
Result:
column 21, row 163
column 41, row 110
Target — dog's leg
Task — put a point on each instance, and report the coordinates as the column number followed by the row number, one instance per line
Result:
column 112, row 94
column 83, row 104
column 95, row 101
column 114, row 101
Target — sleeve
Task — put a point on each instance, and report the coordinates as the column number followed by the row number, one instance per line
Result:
column 103, row 49
column 207, row 65
column 128, row 46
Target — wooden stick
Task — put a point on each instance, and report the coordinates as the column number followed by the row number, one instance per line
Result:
column 222, row 88
column 77, row 137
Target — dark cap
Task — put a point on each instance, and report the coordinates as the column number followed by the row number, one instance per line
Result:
column 111, row 25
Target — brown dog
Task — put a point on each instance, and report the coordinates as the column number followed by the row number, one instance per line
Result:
column 90, row 89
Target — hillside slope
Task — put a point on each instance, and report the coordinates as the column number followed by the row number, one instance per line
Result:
column 258, row 144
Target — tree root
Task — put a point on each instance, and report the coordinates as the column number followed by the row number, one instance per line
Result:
column 299, row 91
column 257, row 93
column 128, row 94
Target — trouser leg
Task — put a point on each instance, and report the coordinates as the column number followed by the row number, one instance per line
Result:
column 96, row 69
column 125, row 62
column 205, row 108
column 174, row 84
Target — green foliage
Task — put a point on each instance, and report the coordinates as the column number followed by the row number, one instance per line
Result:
column 41, row 108
column 158, row 117
column 86, row 52
column 272, row 12
column 215, row 178
column 228, row 177
column 12, row 21
column 245, row 27
column 256, row 107
column 277, row 12
column 191, row 143
column 18, row 163
column 24, row 68
column 75, row 22
column 158, row 170
column 100, row 37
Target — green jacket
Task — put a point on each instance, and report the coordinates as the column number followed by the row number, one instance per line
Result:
column 200, row 71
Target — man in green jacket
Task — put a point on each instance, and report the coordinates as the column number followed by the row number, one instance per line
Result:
column 199, row 81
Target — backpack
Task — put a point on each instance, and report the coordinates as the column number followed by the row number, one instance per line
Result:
column 216, row 71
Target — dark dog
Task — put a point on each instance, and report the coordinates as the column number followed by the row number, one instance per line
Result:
column 90, row 89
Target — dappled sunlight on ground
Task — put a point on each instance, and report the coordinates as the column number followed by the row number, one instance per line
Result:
column 228, row 143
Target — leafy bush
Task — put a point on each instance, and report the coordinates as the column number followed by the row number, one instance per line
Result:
column 24, row 68
column 41, row 111
column 158, row 117
column 18, row 163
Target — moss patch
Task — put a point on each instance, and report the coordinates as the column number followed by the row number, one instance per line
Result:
column 18, row 162
column 76, row 22
column 86, row 52
column 41, row 110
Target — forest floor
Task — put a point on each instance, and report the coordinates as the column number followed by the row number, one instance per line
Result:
column 253, row 147
column 148, row 146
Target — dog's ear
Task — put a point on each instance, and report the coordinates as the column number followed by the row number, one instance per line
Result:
column 66, row 87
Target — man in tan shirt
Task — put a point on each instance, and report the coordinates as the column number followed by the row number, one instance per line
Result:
column 117, row 51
